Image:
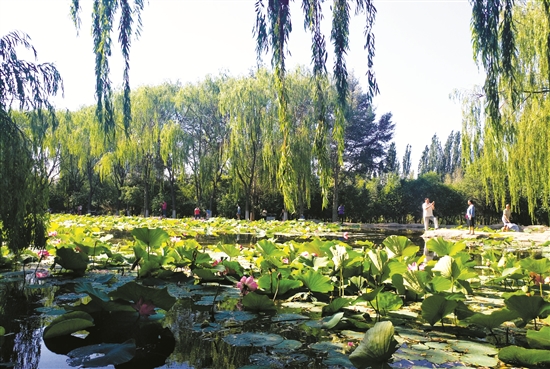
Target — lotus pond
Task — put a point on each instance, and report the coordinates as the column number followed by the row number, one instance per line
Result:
column 121, row 292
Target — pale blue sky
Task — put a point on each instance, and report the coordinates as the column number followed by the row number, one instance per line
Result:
column 423, row 52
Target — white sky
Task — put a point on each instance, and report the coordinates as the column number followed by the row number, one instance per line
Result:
column 423, row 53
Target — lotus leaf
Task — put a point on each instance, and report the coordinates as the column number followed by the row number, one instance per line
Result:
column 103, row 354
column 524, row 357
column 230, row 250
column 527, row 307
column 316, row 282
column 377, row 346
column 539, row 266
column 150, row 237
column 436, row 307
column 68, row 258
column 253, row 339
column 68, row 323
column 84, row 287
column 386, row 301
column 400, row 246
column 272, row 284
column 335, row 306
column 443, row 247
column 493, row 320
column 256, row 302
column 133, row 292
column 539, row 339
column 207, row 275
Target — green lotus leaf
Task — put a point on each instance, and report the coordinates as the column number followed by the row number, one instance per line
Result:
column 316, row 282
column 102, row 354
column 207, row 275
column 527, row 307
column 539, row 266
column 86, row 287
column 230, row 250
column 68, row 258
column 331, row 321
column 387, row 301
column 539, row 339
column 335, row 306
column 271, row 284
column 493, row 320
column 441, row 284
column 415, row 281
column 398, row 283
column 443, row 247
column 447, row 267
column 436, row 307
column 68, row 323
column 256, row 302
column 150, row 237
column 377, row 346
column 369, row 296
column 133, row 292
column 252, row 339
column 268, row 248
column 397, row 246
column 525, row 357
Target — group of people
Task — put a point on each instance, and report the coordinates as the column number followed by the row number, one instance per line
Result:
column 428, row 208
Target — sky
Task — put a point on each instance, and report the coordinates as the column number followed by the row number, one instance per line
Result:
column 423, row 53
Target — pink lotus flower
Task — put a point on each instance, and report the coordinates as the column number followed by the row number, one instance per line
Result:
column 43, row 253
column 346, row 235
column 305, row 254
column 247, row 284
column 144, row 308
column 414, row 267
column 52, row 234
column 216, row 262
column 42, row 273
column 285, row 260
column 175, row 239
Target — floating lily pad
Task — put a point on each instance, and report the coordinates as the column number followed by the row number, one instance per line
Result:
column 440, row 357
column 479, row 359
column 420, row 347
column 474, row 347
column 326, row 346
column 253, row 339
column 239, row 316
column 50, row 310
column 436, row 345
column 287, row 346
column 290, row 318
column 103, row 354
column 336, row 358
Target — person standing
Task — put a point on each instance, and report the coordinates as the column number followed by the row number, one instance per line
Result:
column 238, row 212
column 164, row 208
column 471, row 216
column 341, row 211
column 197, row 212
column 506, row 216
column 428, row 214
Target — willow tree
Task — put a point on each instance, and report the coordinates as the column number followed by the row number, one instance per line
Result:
column 272, row 30
column 506, row 129
column 23, row 199
column 206, row 127
column 249, row 105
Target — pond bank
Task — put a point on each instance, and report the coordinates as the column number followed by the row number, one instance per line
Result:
column 530, row 235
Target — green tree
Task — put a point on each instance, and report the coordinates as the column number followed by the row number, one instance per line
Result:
column 508, row 117
column 23, row 199
column 406, row 163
